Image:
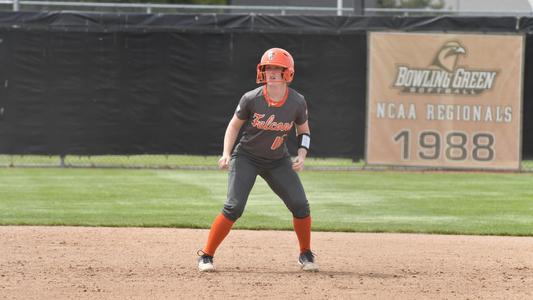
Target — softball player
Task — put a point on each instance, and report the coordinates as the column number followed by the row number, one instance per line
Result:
column 269, row 113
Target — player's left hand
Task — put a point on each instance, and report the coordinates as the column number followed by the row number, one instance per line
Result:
column 298, row 164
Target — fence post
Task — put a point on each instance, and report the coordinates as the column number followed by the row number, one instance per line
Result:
column 339, row 7
column 16, row 5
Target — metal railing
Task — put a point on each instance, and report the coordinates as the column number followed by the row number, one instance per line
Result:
column 149, row 7
column 339, row 9
column 431, row 11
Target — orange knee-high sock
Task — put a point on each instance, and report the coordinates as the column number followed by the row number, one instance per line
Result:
column 219, row 230
column 302, row 227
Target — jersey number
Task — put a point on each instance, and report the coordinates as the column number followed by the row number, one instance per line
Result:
column 278, row 141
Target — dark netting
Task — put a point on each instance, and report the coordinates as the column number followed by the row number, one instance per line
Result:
column 93, row 84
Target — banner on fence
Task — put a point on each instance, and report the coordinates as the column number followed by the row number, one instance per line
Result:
column 444, row 100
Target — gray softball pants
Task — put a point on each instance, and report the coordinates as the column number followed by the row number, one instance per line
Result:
column 279, row 175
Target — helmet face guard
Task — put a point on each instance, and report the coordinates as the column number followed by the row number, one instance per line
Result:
column 276, row 57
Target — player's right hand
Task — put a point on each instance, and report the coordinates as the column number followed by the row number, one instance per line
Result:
column 223, row 162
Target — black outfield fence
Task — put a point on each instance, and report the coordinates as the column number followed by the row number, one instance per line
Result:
column 82, row 84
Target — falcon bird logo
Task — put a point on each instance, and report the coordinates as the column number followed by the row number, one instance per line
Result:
column 444, row 76
column 447, row 56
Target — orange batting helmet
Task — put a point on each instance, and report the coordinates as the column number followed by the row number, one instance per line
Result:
column 276, row 57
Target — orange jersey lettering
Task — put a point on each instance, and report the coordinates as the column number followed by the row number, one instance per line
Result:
column 270, row 124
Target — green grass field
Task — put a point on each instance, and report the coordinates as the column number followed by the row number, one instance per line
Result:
column 364, row 201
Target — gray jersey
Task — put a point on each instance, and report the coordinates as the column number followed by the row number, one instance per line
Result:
column 267, row 127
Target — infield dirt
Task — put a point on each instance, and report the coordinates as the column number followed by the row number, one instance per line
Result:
column 160, row 263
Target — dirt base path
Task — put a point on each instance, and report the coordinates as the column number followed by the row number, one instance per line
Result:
column 154, row 263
